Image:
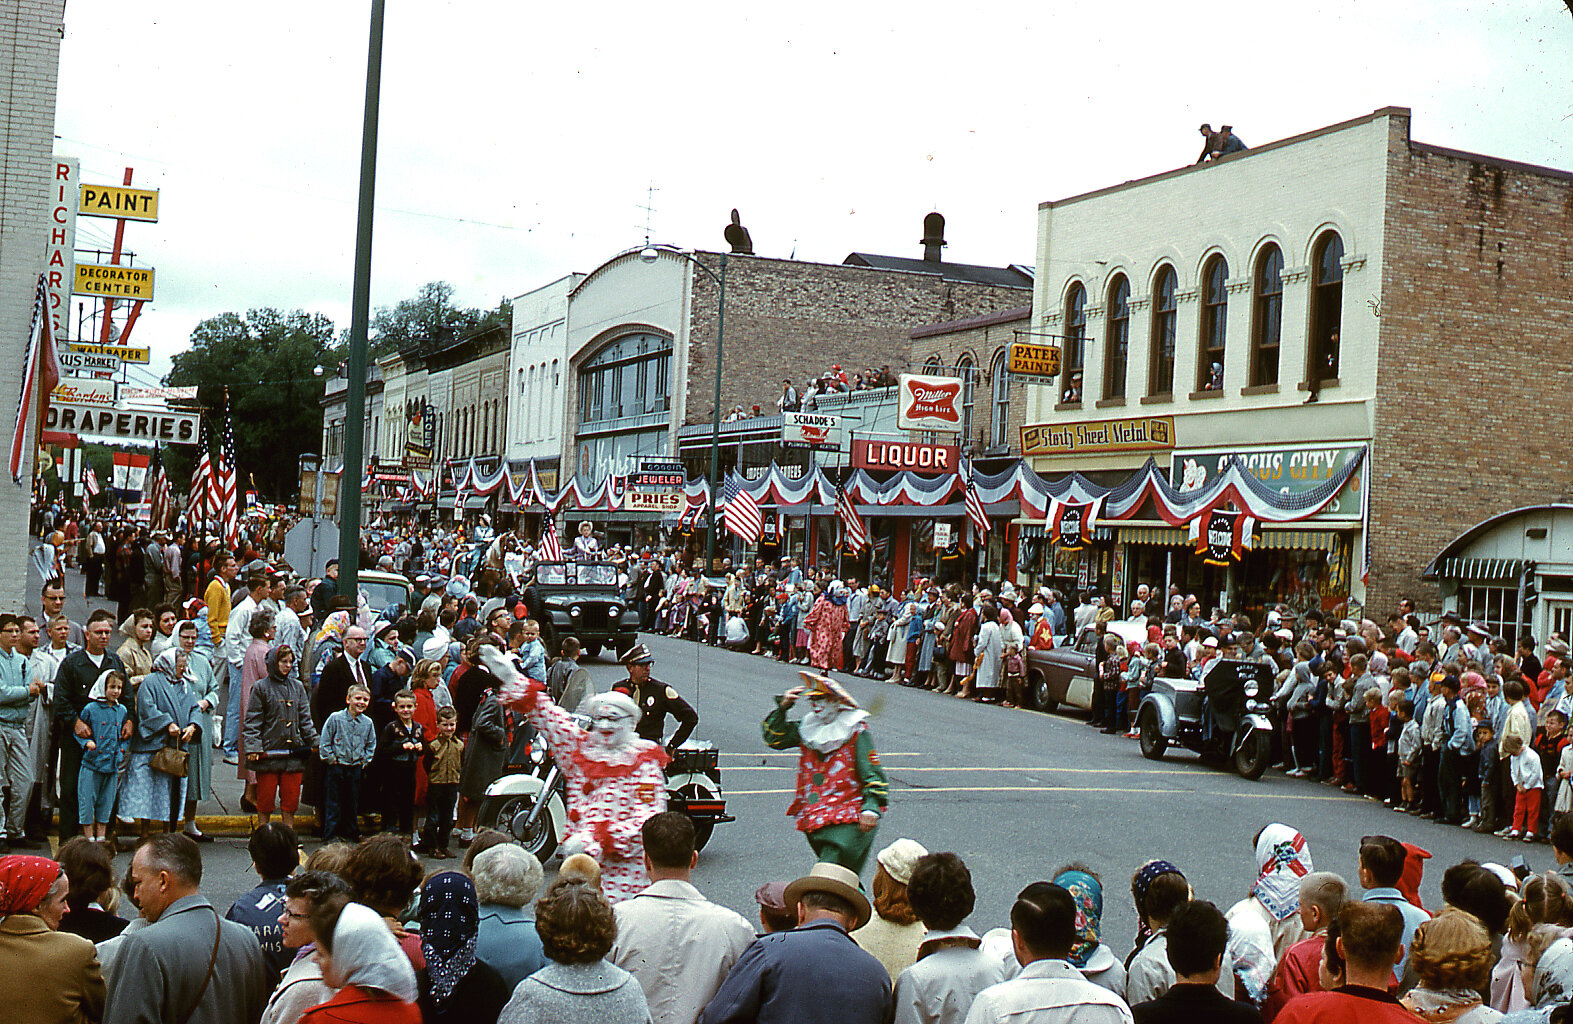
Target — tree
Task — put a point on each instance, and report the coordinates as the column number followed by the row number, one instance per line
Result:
column 266, row 358
column 428, row 318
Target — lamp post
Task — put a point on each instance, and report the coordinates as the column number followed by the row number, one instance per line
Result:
column 650, row 254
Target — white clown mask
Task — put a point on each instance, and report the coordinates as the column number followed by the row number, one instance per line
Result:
column 613, row 718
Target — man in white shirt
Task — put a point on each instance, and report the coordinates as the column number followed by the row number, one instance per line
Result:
column 287, row 628
column 237, row 637
column 678, row 944
column 1048, row 990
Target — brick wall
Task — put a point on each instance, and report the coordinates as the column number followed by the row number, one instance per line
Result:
column 791, row 319
column 1473, row 366
column 30, row 39
column 980, row 343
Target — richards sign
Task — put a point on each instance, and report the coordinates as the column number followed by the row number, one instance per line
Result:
column 928, row 403
column 920, row 458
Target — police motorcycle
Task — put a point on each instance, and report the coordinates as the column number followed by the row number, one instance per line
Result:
column 530, row 803
column 1223, row 717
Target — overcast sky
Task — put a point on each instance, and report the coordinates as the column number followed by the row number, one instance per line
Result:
column 518, row 140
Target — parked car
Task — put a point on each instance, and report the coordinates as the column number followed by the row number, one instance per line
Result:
column 1066, row 675
column 581, row 599
column 385, row 589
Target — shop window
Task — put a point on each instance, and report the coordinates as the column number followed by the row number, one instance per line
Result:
column 626, row 377
column 1117, row 332
column 1327, row 306
column 1165, row 314
column 1074, row 349
column 1215, row 322
column 1267, row 316
column 1496, row 607
column 999, row 415
column 1561, row 619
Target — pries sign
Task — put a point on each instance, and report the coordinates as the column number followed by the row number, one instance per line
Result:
column 929, row 403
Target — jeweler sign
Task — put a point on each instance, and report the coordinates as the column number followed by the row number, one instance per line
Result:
column 110, row 282
column 123, row 424
column 810, row 430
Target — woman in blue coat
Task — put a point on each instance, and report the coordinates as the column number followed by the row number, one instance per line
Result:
column 166, row 717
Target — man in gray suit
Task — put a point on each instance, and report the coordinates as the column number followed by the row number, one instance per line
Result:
column 178, row 968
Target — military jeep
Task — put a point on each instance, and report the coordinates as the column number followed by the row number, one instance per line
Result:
column 581, row 599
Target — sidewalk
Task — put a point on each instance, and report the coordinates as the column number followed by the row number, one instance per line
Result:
column 220, row 814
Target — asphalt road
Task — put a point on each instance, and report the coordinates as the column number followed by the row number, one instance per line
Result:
column 1017, row 794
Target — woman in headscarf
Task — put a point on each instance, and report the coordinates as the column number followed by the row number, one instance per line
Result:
column 1013, row 671
column 1267, row 922
column 896, row 653
column 166, row 717
column 827, row 624
column 203, row 689
column 328, row 641
column 1548, row 975
column 1088, row 953
column 893, row 934
column 1451, row 955
column 277, row 736
column 455, row 986
column 54, row 975
column 253, row 666
column 359, row 957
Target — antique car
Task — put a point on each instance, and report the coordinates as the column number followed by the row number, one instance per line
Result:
column 1223, row 717
column 581, row 599
column 385, row 590
column 1065, row 675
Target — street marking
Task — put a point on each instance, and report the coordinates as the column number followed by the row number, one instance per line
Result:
column 1038, row 768
column 794, row 754
column 1063, row 789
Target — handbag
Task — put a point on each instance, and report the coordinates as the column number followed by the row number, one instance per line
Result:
column 171, row 761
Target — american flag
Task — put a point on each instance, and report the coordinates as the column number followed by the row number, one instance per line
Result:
column 158, row 495
column 90, row 482
column 551, row 549
column 852, row 523
column 740, row 512
column 199, row 501
column 228, row 498
column 976, row 511
column 40, row 368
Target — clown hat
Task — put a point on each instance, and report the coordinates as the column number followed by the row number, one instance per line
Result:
column 818, row 685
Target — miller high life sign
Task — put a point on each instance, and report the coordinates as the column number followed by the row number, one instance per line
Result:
column 920, row 458
column 928, row 403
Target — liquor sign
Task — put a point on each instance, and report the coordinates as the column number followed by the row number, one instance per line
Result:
column 59, row 253
column 1138, row 434
column 123, row 424
column 120, row 353
column 106, row 281
column 1029, row 359
column 811, row 430
column 119, row 202
column 928, row 403
column 916, row 456
column 85, row 391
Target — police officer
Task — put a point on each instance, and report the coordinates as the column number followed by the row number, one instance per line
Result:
column 656, row 700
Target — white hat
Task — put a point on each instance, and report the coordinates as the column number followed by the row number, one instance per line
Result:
column 434, row 649
column 900, row 857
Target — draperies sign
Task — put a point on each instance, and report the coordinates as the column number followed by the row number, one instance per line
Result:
column 1221, row 536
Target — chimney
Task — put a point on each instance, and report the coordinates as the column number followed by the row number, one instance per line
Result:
column 737, row 237
column 933, row 237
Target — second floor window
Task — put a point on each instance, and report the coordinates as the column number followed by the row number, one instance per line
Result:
column 1215, row 322
column 1160, row 379
column 1075, row 347
column 1267, row 316
column 1327, row 306
column 1118, row 334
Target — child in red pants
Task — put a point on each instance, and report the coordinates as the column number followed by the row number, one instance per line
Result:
column 1528, row 781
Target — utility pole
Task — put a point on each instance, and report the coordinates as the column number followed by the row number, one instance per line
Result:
column 360, row 317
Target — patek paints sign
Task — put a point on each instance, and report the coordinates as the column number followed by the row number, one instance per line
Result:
column 928, row 403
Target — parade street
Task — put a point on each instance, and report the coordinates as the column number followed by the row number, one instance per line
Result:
column 1016, row 793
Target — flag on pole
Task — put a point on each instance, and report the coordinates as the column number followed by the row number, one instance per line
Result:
column 551, row 549
column 852, row 523
column 740, row 512
column 975, row 510
column 199, row 501
column 90, row 482
column 40, row 374
column 229, row 500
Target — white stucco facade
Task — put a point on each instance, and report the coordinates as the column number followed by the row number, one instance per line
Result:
column 538, row 371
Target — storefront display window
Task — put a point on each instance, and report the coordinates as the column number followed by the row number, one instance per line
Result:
column 1497, row 607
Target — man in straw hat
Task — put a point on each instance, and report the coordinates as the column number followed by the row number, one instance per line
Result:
column 815, row 971
column 841, row 788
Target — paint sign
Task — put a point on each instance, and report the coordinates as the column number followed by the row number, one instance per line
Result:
column 111, row 282
column 928, row 403
column 59, row 253
column 1028, row 359
column 119, row 202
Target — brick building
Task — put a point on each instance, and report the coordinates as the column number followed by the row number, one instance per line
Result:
column 1346, row 294
column 975, row 349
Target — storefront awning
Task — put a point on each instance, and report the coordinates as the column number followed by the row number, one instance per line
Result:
column 1161, row 536
column 1298, row 540
column 1478, row 570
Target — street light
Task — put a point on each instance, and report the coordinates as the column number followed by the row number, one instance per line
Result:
column 649, row 254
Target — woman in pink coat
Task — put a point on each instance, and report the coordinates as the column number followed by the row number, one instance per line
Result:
column 827, row 624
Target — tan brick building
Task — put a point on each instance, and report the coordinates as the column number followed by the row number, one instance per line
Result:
column 975, row 349
column 1346, row 293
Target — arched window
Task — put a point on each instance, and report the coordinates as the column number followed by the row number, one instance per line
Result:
column 932, row 364
column 1327, row 306
column 968, row 372
column 1267, row 316
column 1160, row 375
column 627, row 377
column 999, row 415
column 1215, row 322
column 1117, row 335
column 1074, row 352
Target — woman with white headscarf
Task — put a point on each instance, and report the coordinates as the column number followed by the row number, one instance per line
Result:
column 1267, row 922
column 1548, row 975
column 360, row 958
column 166, row 717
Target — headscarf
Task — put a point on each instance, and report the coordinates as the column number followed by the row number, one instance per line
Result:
column 1005, row 617
column 1414, row 870
column 274, row 672
column 1088, row 894
column 1140, row 883
column 101, row 685
column 24, row 882
column 450, row 921
column 164, row 664
column 333, row 628
column 1282, row 859
column 1378, row 664
column 1553, row 974
column 365, row 954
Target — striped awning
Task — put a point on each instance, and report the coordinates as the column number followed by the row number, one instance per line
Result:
column 1480, row 570
column 1298, row 540
column 1161, row 536
column 1033, row 531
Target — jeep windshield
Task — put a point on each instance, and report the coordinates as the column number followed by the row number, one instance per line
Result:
column 572, row 574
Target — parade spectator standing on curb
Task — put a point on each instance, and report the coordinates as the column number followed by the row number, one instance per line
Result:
column 78, row 672
column 348, row 744
column 188, row 964
column 17, row 690
column 237, row 638
column 279, row 737
column 1198, row 934
column 951, row 968
column 678, row 944
column 841, row 788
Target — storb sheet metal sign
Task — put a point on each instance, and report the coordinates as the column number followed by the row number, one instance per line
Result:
column 111, row 282
column 123, row 424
